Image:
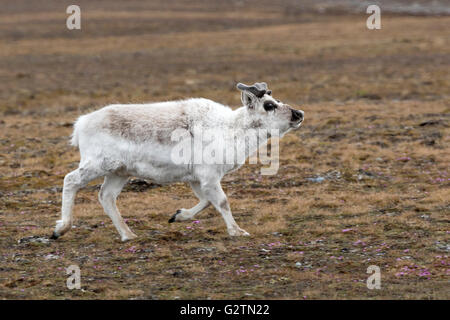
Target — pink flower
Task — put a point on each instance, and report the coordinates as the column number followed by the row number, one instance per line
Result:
column 131, row 249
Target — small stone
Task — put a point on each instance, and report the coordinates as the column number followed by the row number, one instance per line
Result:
column 51, row 257
column 318, row 179
column 34, row 239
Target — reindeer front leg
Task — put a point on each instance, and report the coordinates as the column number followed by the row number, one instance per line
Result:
column 188, row 214
column 214, row 193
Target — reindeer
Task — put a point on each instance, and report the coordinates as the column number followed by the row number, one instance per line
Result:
column 121, row 141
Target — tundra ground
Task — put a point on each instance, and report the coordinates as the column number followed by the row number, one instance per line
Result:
column 365, row 181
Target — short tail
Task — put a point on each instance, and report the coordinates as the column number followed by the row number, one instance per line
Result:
column 74, row 141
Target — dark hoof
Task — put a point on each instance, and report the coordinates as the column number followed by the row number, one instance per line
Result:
column 54, row 236
column 174, row 216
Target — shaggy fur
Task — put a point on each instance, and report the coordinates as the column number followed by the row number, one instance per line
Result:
column 119, row 141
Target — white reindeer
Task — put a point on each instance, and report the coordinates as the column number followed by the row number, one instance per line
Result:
column 120, row 141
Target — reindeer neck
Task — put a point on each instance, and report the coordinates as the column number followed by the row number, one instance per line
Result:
column 245, row 126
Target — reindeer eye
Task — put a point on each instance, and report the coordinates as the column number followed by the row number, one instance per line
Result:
column 269, row 106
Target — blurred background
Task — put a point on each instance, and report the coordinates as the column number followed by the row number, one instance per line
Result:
column 308, row 51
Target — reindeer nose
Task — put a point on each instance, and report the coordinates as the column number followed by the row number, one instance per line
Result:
column 297, row 115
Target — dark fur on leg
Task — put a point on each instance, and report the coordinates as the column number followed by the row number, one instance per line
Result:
column 172, row 219
column 54, row 236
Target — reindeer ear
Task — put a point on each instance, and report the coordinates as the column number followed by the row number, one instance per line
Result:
column 248, row 96
column 248, row 99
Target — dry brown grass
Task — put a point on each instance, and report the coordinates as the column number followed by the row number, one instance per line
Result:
column 377, row 126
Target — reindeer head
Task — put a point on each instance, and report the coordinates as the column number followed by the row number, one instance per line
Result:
column 267, row 112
